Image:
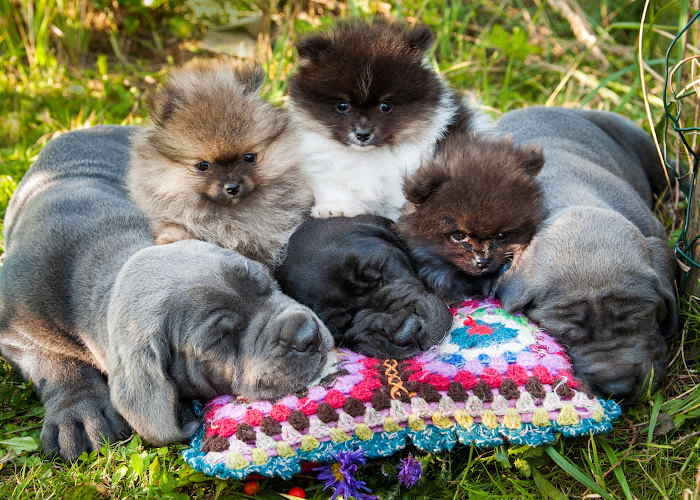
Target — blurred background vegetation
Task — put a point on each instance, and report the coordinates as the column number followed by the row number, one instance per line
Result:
column 67, row 64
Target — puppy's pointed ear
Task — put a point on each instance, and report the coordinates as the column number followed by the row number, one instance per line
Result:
column 252, row 77
column 531, row 159
column 421, row 185
column 420, row 38
column 164, row 102
column 311, row 48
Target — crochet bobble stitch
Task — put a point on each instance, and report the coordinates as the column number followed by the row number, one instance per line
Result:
column 496, row 375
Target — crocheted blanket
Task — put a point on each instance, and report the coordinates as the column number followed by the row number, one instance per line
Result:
column 496, row 378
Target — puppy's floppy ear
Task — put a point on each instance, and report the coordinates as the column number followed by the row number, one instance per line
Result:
column 142, row 322
column 144, row 394
column 251, row 76
column 664, row 266
column 313, row 47
column 421, row 185
column 164, row 102
column 420, row 38
column 531, row 159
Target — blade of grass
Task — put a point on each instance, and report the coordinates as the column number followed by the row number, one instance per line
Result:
column 547, row 489
column 567, row 466
column 617, row 468
column 655, row 410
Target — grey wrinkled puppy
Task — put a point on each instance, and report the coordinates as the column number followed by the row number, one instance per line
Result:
column 115, row 332
column 598, row 273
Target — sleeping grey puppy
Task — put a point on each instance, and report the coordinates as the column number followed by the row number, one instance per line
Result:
column 116, row 333
column 598, row 273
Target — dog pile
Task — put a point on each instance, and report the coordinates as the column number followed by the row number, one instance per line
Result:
column 496, row 378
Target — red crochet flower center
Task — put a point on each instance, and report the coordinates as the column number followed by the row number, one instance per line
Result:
column 491, row 377
column 480, row 330
column 227, row 427
column 308, row 406
column 280, row 412
column 467, row 379
column 469, row 321
column 335, row 398
column 253, row 417
column 542, row 374
column 517, row 373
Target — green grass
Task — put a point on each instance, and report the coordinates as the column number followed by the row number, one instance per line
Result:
column 67, row 64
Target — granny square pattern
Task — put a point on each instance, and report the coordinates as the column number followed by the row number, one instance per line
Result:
column 496, row 378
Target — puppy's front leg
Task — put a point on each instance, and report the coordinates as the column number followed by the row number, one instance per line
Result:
column 79, row 415
column 336, row 203
column 445, row 279
column 168, row 232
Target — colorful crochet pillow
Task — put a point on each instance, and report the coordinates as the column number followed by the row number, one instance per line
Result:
column 496, row 378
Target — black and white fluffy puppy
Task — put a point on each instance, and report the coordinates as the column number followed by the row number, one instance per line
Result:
column 598, row 273
column 357, row 275
column 370, row 109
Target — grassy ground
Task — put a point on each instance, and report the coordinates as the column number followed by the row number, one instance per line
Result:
column 66, row 64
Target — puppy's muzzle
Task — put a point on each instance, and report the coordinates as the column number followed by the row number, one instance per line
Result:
column 232, row 189
column 300, row 332
column 482, row 263
column 362, row 136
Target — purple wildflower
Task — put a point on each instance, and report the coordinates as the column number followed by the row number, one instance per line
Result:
column 340, row 476
column 410, row 472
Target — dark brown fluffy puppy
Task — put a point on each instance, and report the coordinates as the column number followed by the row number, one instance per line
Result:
column 218, row 163
column 476, row 204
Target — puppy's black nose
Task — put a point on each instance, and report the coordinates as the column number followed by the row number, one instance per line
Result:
column 301, row 333
column 232, row 188
column 482, row 263
column 363, row 135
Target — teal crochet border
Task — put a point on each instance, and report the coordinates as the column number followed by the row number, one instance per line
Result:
column 383, row 444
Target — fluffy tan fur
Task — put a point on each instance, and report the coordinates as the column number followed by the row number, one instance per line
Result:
column 211, row 112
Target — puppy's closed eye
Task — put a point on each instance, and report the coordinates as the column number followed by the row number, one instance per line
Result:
column 216, row 333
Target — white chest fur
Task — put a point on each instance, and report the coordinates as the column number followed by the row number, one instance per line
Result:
column 351, row 181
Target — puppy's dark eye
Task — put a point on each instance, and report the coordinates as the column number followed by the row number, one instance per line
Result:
column 458, row 236
column 202, row 166
column 343, row 107
column 250, row 157
column 385, row 107
column 500, row 236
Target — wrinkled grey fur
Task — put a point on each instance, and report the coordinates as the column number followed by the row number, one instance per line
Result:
column 118, row 334
column 598, row 273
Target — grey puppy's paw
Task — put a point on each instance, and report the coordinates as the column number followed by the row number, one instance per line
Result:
column 80, row 422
